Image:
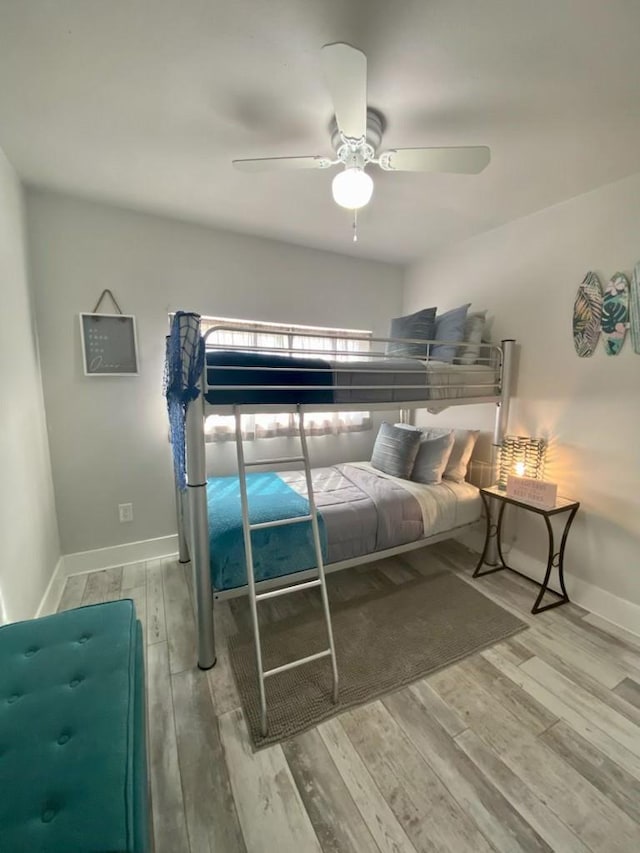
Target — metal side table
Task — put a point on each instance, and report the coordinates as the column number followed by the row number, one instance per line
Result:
column 555, row 558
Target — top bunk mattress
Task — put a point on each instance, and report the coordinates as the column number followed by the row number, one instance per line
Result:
column 246, row 378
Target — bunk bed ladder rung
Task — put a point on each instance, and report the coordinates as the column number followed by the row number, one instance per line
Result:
column 297, row 662
column 287, row 590
column 320, row 581
column 278, row 460
column 264, row 525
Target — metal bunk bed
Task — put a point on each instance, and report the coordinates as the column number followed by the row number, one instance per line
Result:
column 379, row 381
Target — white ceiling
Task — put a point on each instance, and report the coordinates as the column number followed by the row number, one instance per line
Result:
column 145, row 103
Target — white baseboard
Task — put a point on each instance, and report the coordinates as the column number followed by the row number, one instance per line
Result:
column 120, row 555
column 620, row 611
column 103, row 558
column 51, row 597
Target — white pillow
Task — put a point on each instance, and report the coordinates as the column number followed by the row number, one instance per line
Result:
column 487, row 334
column 433, row 454
column 473, row 329
column 463, row 444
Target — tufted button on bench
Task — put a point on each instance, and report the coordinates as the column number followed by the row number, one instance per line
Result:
column 73, row 769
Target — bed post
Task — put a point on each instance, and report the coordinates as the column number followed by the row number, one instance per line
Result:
column 181, row 512
column 199, row 532
column 502, row 420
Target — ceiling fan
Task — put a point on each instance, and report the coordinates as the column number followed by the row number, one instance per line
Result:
column 356, row 133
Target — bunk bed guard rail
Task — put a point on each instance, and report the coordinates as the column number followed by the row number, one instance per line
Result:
column 263, row 378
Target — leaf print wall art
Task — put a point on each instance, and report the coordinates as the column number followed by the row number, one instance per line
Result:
column 587, row 315
column 615, row 313
column 634, row 308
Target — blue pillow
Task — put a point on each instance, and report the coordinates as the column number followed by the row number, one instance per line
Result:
column 449, row 327
column 395, row 450
column 420, row 325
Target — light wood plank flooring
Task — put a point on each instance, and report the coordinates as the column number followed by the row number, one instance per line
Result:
column 532, row 745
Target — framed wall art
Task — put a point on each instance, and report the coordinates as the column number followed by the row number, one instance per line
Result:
column 109, row 344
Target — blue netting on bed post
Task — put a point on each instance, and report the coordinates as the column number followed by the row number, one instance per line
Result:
column 182, row 368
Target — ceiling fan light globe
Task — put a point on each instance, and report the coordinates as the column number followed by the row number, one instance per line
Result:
column 352, row 188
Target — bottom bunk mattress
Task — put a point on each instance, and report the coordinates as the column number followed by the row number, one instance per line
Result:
column 360, row 511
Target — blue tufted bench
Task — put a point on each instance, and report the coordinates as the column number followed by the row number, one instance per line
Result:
column 73, row 771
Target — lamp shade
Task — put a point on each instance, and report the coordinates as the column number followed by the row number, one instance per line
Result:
column 521, row 456
column 352, row 188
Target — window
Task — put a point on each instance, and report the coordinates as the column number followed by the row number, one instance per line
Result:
column 310, row 340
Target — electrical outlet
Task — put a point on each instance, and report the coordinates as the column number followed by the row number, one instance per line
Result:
column 125, row 512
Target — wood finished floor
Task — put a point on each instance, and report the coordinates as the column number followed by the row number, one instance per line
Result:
column 532, row 745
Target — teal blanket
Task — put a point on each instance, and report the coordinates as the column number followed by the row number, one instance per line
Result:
column 277, row 550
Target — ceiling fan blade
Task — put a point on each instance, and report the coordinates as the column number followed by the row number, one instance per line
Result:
column 466, row 160
column 280, row 164
column 345, row 75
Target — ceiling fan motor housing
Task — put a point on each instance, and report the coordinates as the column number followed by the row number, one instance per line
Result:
column 358, row 152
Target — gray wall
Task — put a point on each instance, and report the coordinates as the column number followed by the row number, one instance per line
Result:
column 526, row 273
column 108, row 436
column 28, row 529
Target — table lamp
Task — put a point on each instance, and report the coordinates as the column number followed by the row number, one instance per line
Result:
column 521, row 456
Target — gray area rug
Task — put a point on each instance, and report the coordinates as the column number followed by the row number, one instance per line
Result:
column 384, row 640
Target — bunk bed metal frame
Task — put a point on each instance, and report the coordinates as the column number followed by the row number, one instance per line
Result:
column 192, row 515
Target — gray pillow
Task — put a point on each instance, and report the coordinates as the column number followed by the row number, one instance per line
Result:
column 420, row 325
column 395, row 450
column 473, row 329
column 463, row 444
column 449, row 327
column 432, row 458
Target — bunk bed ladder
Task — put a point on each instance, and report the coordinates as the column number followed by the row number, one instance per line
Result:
column 319, row 582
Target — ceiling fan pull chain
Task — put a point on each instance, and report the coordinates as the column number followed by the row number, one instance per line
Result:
column 355, row 225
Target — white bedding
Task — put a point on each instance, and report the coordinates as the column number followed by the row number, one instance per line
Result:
column 443, row 506
column 459, row 380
